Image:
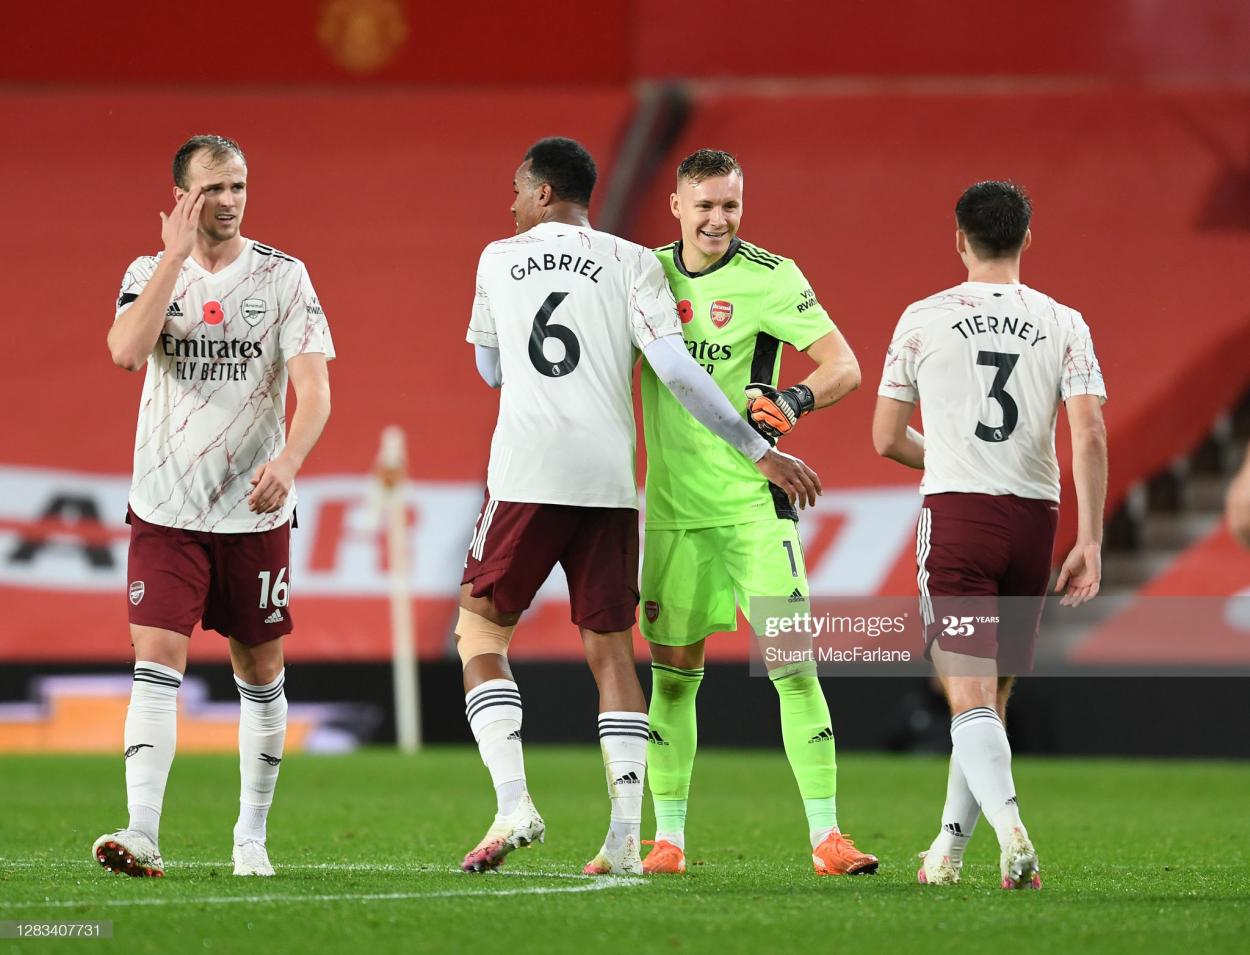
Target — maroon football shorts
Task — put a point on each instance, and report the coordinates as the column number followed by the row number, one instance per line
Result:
column 236, row 584
column 516, row 545
column 972, row 549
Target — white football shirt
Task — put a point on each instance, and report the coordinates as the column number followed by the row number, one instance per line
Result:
column 990, row 364
column 567, row 306
column 214, row 400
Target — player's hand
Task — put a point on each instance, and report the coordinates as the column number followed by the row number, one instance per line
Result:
column 179, row 228
column 1080, row 575
column 799, row 482
column 773, row 413
column 271, row 483
column 1237, row 505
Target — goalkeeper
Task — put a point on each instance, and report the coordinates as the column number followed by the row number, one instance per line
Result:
column 718, row 534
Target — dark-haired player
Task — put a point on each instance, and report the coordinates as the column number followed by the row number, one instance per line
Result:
column 718, row 535
column 559, row 311
column 989, row 362
column 219, row 321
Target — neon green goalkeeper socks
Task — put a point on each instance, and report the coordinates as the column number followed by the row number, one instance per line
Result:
column 808, row 738
column 674, row 738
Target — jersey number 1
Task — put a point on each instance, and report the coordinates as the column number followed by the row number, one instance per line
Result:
column 1005, row 363
column 542, row 330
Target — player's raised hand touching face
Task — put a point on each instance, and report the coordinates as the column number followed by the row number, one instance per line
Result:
column 179, row 227
column 800, row 483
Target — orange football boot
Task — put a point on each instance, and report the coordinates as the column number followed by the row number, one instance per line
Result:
column 664, row 859
column 837, row 855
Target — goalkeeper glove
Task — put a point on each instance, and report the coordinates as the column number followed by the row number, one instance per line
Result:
column 774, row 413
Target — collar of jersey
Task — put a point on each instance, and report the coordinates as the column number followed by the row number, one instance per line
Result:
column 247, row 247
column 720, row 263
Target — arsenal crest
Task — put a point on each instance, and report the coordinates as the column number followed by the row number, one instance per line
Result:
column 253, row 310
column 722, row 312
column 652, row 610
column 136, row 591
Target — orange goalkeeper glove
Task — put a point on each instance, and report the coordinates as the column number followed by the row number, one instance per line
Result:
column 774, row 413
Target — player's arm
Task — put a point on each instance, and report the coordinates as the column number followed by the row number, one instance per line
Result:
column 134, row 333
column 775, row 413
column 488, row 367
column 892, row 437
column 272, row 481
column 1081, row 573
column 698, row 394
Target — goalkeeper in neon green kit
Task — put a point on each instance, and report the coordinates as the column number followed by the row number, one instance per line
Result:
column 725, row 536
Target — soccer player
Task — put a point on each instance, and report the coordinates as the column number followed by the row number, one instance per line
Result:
column 989, row 361
column 718, row 534
column 1237, row 503
column 559, row 311
column 220, row 322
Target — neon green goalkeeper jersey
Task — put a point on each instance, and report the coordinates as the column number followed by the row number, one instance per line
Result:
column 734, row 317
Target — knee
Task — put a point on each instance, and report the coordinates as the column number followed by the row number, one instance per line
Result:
column 477, row 636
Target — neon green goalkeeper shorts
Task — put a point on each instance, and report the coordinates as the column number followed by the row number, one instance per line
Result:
column 694, row 580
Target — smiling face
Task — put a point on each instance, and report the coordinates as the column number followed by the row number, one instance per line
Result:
column 224, row 185
column 709, row 211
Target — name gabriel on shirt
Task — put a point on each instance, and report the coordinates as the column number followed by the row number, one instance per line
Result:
column 553, row 263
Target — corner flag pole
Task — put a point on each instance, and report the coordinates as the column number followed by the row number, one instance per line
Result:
column 390, row 472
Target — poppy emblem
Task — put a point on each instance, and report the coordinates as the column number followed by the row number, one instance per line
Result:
column 685, row 311
column 213, row 313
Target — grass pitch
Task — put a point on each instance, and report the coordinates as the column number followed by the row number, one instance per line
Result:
column 1136, row 856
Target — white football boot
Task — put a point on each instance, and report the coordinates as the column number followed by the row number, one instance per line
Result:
column 617, row 857
column 251, row 858
column 129, row 852
column 1018, row 863
column 521, row 827
column 937, row 869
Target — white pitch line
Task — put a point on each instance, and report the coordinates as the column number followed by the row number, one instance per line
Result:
column 399, row 867
column 599, row 885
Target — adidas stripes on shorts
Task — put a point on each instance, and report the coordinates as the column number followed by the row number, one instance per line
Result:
column 236, row 584
column 972, row 548
column 516, row 544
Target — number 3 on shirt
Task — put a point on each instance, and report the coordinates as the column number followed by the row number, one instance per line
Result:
column 542, row 330
column 1005, row 363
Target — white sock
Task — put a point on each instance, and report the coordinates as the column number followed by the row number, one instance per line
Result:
column 959, row 816
column 979, row 744
column 623, row 738
column 151, row 735
column 494, row 712
column 262, row 732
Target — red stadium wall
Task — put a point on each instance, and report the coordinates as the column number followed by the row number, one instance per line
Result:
column 387, row 42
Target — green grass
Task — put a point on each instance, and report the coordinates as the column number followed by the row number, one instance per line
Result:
column 1136, row 856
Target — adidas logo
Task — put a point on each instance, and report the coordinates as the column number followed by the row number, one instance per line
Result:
column 824, row 736
column 516, row 735
column 271, row 760
column 953, row 828
column 131, row 750
column 628, row 778
column 656, row 738
column 796, row 597
column 173, row 311
column 1013, row 801
column 275, row 617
